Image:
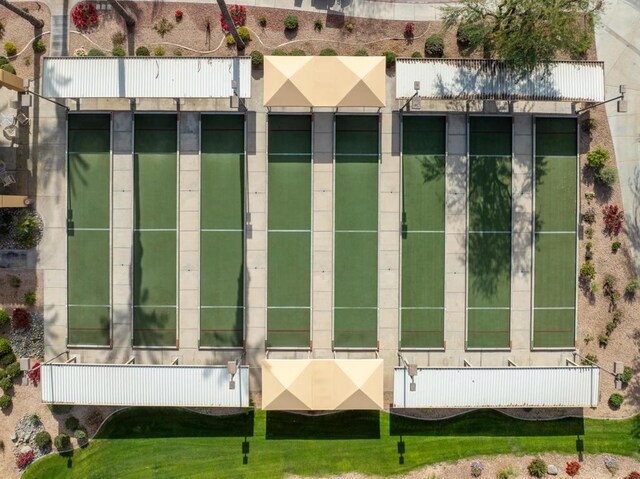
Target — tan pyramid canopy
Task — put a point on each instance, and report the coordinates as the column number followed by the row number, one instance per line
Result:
column 324, row 81
column 322, row 384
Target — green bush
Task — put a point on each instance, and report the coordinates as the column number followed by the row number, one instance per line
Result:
column 7, row 359
column 603, row 340
column 177, row 52
column 615, row 246
column 43, row 438
column 244, row 33
column 118, row 52
column 6, row 384
column 5, row 402
column 390, row 58
column 81, row 435
column 416, row 55
column 291, row 22
column 587, row 270
column 3, row 60
column 60, row 408
column 633, row 286
column 8, row 67
column 5, row 345
column 317, row 25
column 228, row 38
column 627, row 375
column 537, row 468
column 589, row 360
column 27, row 228
column 10, row 48
column 72, row 423
column 257, row 58
column 328, row 52
column 297, row 53
column 30, row 298
column 616, row 400
column 142, row 52
column 434, row 46
column 4, row 320
column 95, row 52
column 361, row 53
column 34, row 419
column 597, row 158
column 13, row 370
column 506, row 473
column 607, row 176
column 62, row 441
column 279, row 52
column 159, row 51
column 39, row 46
column 470, row 35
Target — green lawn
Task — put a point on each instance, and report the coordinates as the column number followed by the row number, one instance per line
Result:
column 141, row 443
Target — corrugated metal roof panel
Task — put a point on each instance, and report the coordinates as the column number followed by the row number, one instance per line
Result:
column 142, row 77
column 144, row 385
column 492, row 80
column 497, row 387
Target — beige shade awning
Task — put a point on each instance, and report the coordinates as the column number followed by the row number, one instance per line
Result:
column 324, row 81
column 11, row 81
column 322, row 384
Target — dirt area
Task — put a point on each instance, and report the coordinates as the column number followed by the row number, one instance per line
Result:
column 12, row 290
column 592, row 467
column 22, row 33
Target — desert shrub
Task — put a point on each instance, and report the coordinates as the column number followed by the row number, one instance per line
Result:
column 633, row 286
column 589, row 216
column 7, row 359
column 10, row 48
column 572, row 468
column 3, row 60
column 5, row 345
column 409, row 29
column 587, row 271
column 80, row 52
column 317, row 25
column 177, row 52
column 616, row 400
column 229, row 39
column 476, row 468
column 361, row 53
column 142, row 52
column 416, row 55
column 390, row 58
column 349, row 27
column 6, row 384
column 611, row 463
column 23, row 459
column 13, row 370
column 615, row 246
column 609, row 282
column 5, row 402
column 434, row 46
column 95, row 52
column 118, row 39
column 257, row 58
column 589, row 196
column 611, row 327
column 62, row 441
column 72, row 423
column 8, row 67
column 84, row 15
column 328, row 52
column 20, row 318
column 39, row 46
column 244, row 33
column 4, row 319
column 537, row 467
column 588, row 255
column 506, row 473
column 80, row 435
column 43, row 438
column 118, row 52
column 34, row 419
column 279, row 52
column 159, row 51
column 603, row 340
column 291, row 22
column 262, row 21
column 589, row 245
column 607, row 176
column 588, row 233
column 163, row 27
column 617, row 316
column 626, row 375
column 597, row 158
column 589, row 360
column 27, row 228
column 297, row 53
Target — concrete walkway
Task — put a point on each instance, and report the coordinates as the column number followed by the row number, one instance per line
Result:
column 618, row 44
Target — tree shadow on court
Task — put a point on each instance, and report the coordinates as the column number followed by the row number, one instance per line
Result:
column 489, row 423
column 328, row 425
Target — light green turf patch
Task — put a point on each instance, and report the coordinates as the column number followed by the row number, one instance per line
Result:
column 489, row 270
column 290, row 192
column 422, row 328
column 88, row 326
column 423, row 270
column 221, row 268
column 356, row 269
column 490, row 193
column 556, row 193
column 488, row 328
column 88, row 266
column 355, row 328
column 221, row 327
column 289, row 328
column 154, row 326
column 356, row 193
column 554, row 328
column 289, row 269
column 555, row 270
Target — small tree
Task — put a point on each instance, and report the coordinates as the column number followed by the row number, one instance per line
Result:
column 36, row 22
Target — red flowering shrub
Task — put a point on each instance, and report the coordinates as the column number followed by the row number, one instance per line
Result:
column 24, row 459
column 179, row 15
column 20, row 318
column 613, row 219
column 572, row 468
column 33, row 375
column 238, row 15
column 84, row 15
column 409, row 29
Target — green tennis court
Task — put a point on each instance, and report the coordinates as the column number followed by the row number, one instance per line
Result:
column 88, row 230
column 489, row 233
column 555, row 233
column 423, row 232
column 355, row 316
column 154, row 236
column 222, row 231
column 289, row 232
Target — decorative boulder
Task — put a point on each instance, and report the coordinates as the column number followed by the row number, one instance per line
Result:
column 552, row 470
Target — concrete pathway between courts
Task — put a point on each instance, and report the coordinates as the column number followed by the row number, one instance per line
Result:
column 618, row 44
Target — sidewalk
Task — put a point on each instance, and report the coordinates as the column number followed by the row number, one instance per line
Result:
column 618, row 44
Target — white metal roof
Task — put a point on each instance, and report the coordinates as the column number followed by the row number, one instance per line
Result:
column 144, row 385
column 145, row 77
column 490, row 79
column 497, row 387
